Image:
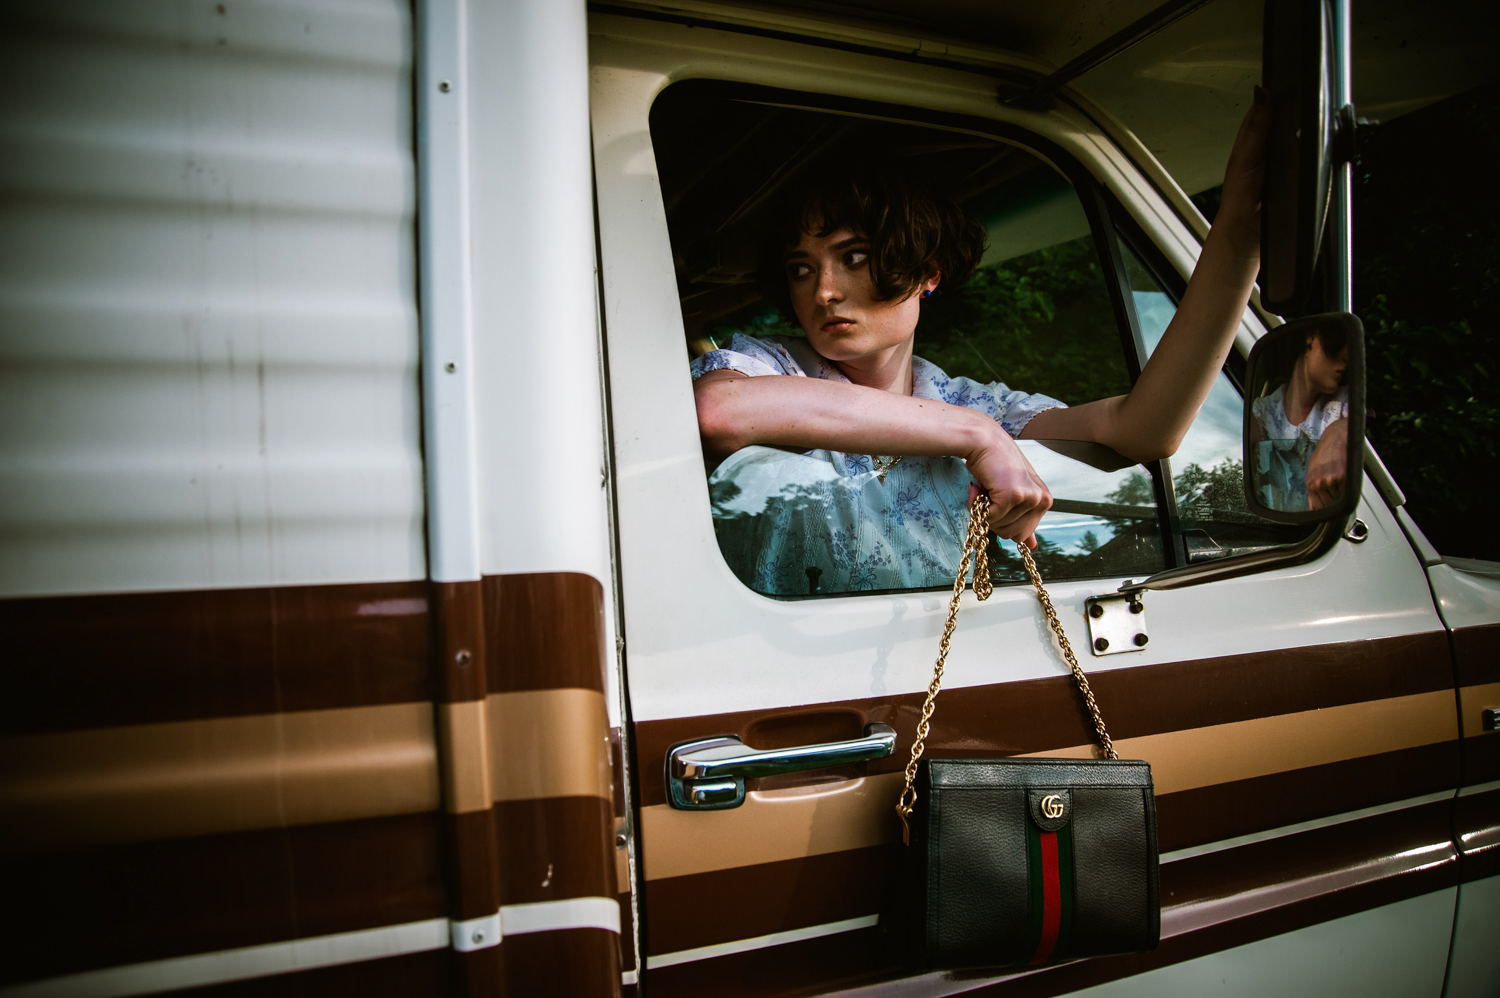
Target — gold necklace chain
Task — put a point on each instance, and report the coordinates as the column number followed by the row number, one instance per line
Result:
column 884, row 464
column 974, row 546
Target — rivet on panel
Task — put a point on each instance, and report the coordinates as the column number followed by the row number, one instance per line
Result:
column 462, row 658
column 445, row 85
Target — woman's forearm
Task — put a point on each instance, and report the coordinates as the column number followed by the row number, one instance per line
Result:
column 1151, row 421
column 1155, row 416
column 808, row 413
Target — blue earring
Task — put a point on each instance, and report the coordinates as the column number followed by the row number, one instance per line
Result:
column 927, row 293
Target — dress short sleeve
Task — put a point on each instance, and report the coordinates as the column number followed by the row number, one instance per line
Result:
column 1011, row 409
column 1337, row 407
column 750, row 355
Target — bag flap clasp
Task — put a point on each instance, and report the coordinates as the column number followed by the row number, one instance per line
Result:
column 1049, row 809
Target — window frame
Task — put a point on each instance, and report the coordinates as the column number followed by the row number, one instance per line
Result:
column 1109, row 224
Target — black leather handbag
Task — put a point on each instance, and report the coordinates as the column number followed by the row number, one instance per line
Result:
column 1015, row 862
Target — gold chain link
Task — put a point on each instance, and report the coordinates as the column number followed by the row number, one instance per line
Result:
column 1067, row 650
column 974, row 546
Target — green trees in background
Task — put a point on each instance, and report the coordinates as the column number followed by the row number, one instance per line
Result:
column 1041, row 322
column 1427, row 286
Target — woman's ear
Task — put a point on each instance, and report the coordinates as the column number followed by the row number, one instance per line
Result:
column 932, row 280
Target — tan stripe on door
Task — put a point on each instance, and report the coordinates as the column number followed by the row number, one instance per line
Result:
column 549, row 743
column 788, row 824
column 71, row 789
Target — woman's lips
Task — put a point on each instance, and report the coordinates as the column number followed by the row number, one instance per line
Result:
column 837, row 325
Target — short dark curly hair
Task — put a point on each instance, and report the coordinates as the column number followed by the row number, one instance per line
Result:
column 909, row 226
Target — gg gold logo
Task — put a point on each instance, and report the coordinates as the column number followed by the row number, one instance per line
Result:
column 1052, row 806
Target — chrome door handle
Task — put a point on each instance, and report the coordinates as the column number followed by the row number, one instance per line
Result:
column 709, row 774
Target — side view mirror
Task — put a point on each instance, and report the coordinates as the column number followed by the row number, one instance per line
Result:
column 1305, row 419
column 1300, row 153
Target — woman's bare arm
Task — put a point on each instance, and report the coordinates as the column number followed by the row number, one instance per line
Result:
column 1327, row 466
column 1151, row 421
column 736, row 411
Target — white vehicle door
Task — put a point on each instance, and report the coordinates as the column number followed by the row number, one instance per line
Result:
column 1300, row 721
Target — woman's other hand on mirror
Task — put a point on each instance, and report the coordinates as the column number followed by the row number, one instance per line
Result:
column 1238, row 218
column 1018, row 496
column 1327, row 468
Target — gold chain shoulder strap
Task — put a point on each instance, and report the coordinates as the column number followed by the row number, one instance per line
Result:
column 974, row 547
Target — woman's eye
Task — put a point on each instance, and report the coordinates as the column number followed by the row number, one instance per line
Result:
column 798, row 270
column 855, row 258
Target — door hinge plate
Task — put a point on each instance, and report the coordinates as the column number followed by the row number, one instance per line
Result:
column 1117, row 623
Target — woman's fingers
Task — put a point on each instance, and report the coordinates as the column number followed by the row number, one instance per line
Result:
column 1327, row 467
column 1023, row 529
column 1018, row 496
column 1015, row 512
column 1247, row 155
column 1324, row 490
column 1239, row 206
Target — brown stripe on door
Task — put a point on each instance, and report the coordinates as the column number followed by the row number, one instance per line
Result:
column 1043, row 714
column 573, row 962
column 1476, row 654
column 544, row 631
column 1481, row 759
column 768, row 897
column 1476, row 827
column 1226, row 810
column 139, row 658
column 154, row 900
column 555, row 848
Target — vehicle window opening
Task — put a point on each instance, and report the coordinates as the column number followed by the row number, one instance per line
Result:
column 1040, row 315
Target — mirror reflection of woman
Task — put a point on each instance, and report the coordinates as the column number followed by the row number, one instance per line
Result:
column 858, row 263
column 1301, row 429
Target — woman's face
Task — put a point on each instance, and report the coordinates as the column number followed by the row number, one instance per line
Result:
column 1324, row 373
column 834, row 297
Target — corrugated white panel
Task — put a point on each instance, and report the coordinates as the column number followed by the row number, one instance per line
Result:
column 208, row 324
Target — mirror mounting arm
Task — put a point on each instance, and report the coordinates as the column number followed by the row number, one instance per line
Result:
column 1312, row 546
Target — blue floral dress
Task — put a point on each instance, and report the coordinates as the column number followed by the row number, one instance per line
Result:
column 1285, row 448
column 824, row 521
